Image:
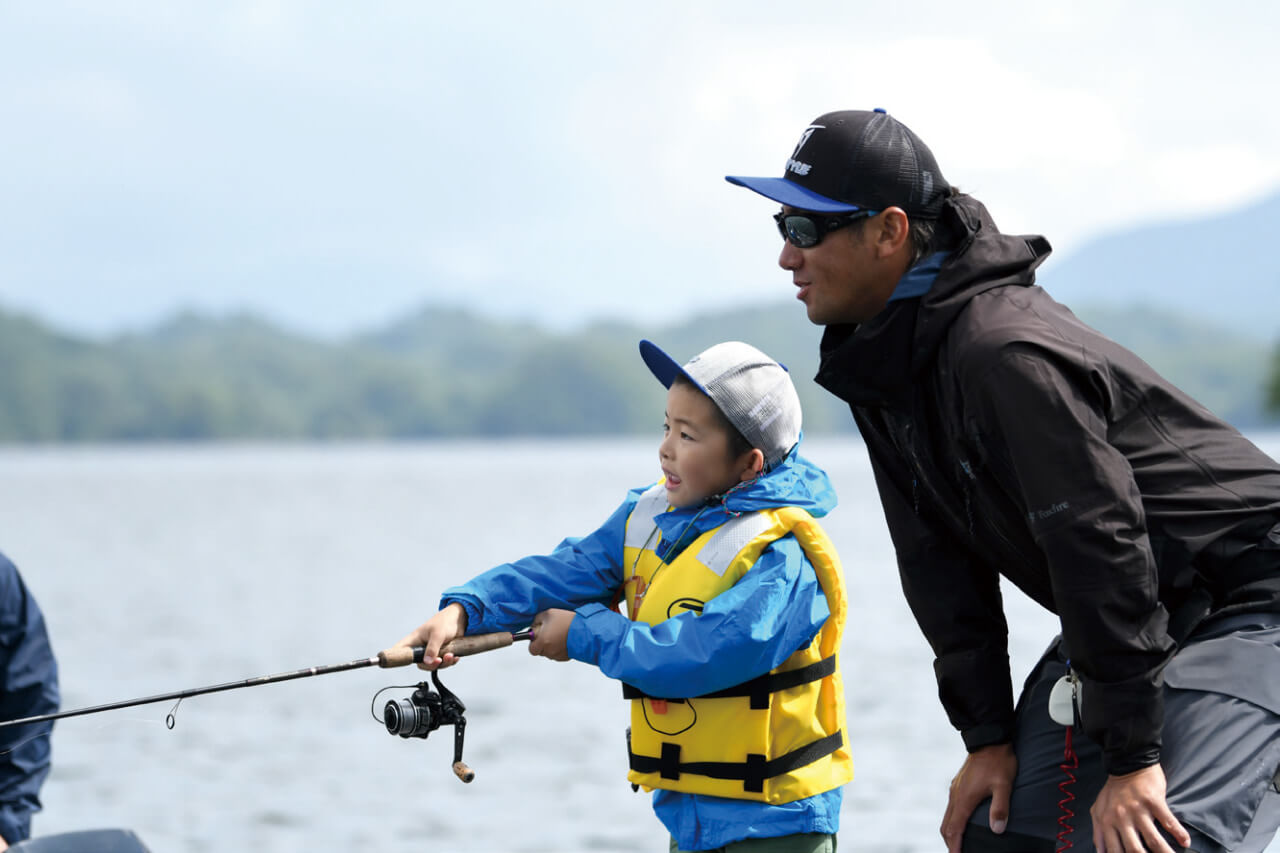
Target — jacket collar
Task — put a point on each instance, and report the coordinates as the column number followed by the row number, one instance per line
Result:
column 876, row 363
column 794, row 482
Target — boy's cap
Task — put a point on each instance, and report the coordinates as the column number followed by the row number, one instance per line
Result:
column 857, row 160
column 754, row 392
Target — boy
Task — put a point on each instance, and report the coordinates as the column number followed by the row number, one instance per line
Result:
column 737, row 718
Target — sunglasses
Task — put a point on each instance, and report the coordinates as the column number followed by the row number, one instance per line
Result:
column 806, row 230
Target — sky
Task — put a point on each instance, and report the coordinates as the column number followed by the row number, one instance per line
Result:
column 334, row 166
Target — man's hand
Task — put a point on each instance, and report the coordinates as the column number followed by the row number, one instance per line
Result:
column 1128, row 810
column 987, row 772
column 449, row 624
column 551, row 634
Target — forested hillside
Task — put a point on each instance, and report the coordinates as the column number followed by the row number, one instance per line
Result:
column 445, row 372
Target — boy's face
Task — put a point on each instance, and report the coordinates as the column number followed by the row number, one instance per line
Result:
column 694, row 453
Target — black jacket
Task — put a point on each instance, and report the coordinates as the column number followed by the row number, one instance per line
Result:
column 1009, row 438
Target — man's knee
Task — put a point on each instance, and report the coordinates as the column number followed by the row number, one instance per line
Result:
column 980, row 839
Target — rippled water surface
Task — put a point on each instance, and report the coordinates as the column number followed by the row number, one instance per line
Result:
column 166, row 568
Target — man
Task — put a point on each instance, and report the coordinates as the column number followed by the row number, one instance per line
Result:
column 1008, row 439
column 28, row 688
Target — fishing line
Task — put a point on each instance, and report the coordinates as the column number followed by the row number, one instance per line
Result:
column 23, row 742
column 374, row 702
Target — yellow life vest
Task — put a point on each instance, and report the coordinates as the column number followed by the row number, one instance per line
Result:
column 777, row 738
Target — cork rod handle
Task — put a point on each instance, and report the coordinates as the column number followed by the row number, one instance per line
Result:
column 462, row 646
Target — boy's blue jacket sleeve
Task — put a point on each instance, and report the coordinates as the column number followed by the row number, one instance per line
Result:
column 777, row 607
column 578, row 572
column 28, row 688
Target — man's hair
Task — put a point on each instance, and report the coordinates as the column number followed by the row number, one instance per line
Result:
column 925, row 233
column 738, row 443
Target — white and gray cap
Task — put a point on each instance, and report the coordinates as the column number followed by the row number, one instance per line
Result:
column 754, row 392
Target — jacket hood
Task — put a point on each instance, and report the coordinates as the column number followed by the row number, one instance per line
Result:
column 795, row 481
column 984, row 259
column 876, row 360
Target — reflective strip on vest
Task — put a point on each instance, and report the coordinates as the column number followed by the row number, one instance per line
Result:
column 730, row 538
column 651, row 505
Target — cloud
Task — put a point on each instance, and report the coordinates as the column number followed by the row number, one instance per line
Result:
column 332, row 164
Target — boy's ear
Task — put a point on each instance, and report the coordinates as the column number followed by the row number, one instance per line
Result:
column 754, row 459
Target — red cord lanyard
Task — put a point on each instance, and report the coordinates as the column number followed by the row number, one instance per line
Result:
column 1063, row 702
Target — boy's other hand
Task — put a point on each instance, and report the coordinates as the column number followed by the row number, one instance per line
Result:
column 551, row 634
column 449, row 624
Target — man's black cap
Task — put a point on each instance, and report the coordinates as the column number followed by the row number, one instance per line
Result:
column 857, row 160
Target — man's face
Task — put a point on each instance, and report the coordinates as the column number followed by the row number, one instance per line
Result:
column 843, row 279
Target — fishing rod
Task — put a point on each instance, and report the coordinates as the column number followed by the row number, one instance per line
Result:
column 424, row 712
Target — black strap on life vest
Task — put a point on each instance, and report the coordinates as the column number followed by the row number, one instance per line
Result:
column 757, row 688
column 753, row 772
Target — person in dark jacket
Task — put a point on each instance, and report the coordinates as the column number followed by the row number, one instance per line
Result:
column 28, row 688
column 1010, row 440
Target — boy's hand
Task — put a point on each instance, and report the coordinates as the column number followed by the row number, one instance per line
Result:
column 551, row 634
column 449, row 624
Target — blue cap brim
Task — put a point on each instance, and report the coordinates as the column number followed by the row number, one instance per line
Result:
column 663, row 366
column 792, row 194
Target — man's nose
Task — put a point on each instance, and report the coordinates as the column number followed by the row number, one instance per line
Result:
column 790, row 257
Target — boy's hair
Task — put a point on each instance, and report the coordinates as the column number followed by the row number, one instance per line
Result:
column 738, row 443
column 751, row 390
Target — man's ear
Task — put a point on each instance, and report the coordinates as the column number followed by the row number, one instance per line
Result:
column 753, row 464
column 893, row 231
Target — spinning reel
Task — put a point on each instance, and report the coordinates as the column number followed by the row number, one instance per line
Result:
column 425, row 711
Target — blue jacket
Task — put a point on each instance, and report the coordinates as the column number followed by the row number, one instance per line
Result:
column 28, row 688
column 774, row 610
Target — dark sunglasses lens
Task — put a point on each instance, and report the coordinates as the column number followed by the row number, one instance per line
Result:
column 802, row 231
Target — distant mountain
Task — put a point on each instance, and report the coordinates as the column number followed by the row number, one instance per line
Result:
column 1200, row 301
column 1218, row 269
column 446, row 372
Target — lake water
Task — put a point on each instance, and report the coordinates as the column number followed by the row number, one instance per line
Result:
column 166, row 568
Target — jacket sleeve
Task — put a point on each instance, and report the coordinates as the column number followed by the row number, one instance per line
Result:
column 579, row 571
column 774, row 609
column 957, row 604
column 1046, row 418
column 28, row 688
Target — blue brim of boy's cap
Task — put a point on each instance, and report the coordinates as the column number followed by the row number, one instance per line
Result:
column 664, row 367
column 792, row 194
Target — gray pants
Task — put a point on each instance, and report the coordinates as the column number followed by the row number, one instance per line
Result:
column 1221, row 753
column 812, row 842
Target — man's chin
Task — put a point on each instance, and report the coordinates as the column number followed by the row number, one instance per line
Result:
column 816, row 315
